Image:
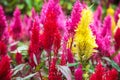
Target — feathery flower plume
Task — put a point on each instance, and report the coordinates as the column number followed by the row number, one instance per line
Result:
column 54, row 74
column 34, row 47
column 72, row 23
column 5, row 71
column 117, row 35
column 3, row 49
column 103, row 39
column 78, row 73
column 84, row 41
column 2, row 22
column 102, row 73
column 51, row 26
column 16, row 26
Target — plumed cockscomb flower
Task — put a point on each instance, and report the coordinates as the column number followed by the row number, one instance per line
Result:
column 103, row 39
column 117, row 35
column 84, row 41
column 54, row 74
column 34, row 47
column 99, row 72
column 16, row 26
column 3, row 49
column 56, row 42
column 111, row 75
column 78, row 73
column 102, row 73
column 75, row 16
column 63, row 59
column 117, row 38
column 18, row 58
column 2, row 22
column 98, row 13
column 50, row 25
column 5, row 71
column 97, row 23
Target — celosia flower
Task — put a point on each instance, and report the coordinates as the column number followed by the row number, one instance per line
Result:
column 54, row 74
column 102, row 73
column 84, row 41
column 56, row 42
column 3, row 49
column 99, row 72
column 35, row 47
column 18, row 58
column 97, row 23
column 63, row 59
column 16, row 26
column 78, row 73
column 117, row 38
column 50, row 25
column 70, row 57
column 98, row 13
column 111, row 75
column 2, row 22
column 103, row 39
column 72, row 23
column 5, row 71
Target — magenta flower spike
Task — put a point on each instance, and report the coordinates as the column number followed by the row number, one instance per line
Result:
column 78, row 73
column 16, row 26
column 3, row 23
column 3, row 49
column 75, row 16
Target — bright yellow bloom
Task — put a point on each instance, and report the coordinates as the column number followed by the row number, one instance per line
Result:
column 84, row 41
column 110, row 11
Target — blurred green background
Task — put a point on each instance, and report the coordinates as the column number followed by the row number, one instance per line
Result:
column 26, row 5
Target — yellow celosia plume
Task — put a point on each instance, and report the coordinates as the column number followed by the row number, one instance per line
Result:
column 84, row 41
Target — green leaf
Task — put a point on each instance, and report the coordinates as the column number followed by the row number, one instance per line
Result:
column 115, row 65
column 72, row 64
column 65, row 71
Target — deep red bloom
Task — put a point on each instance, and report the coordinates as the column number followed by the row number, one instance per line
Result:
column 3, row 49
column 63, row 59
column 99, row 72
column 5, row 71
column 16, row 26
column 18, row 58
column 117, row 38
column 56, row 42
column 35, row 47
column 111, row 75
column 2, row 22
column 78, row 73
column 50, row 25
column 102, row 73
column 54, row 74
